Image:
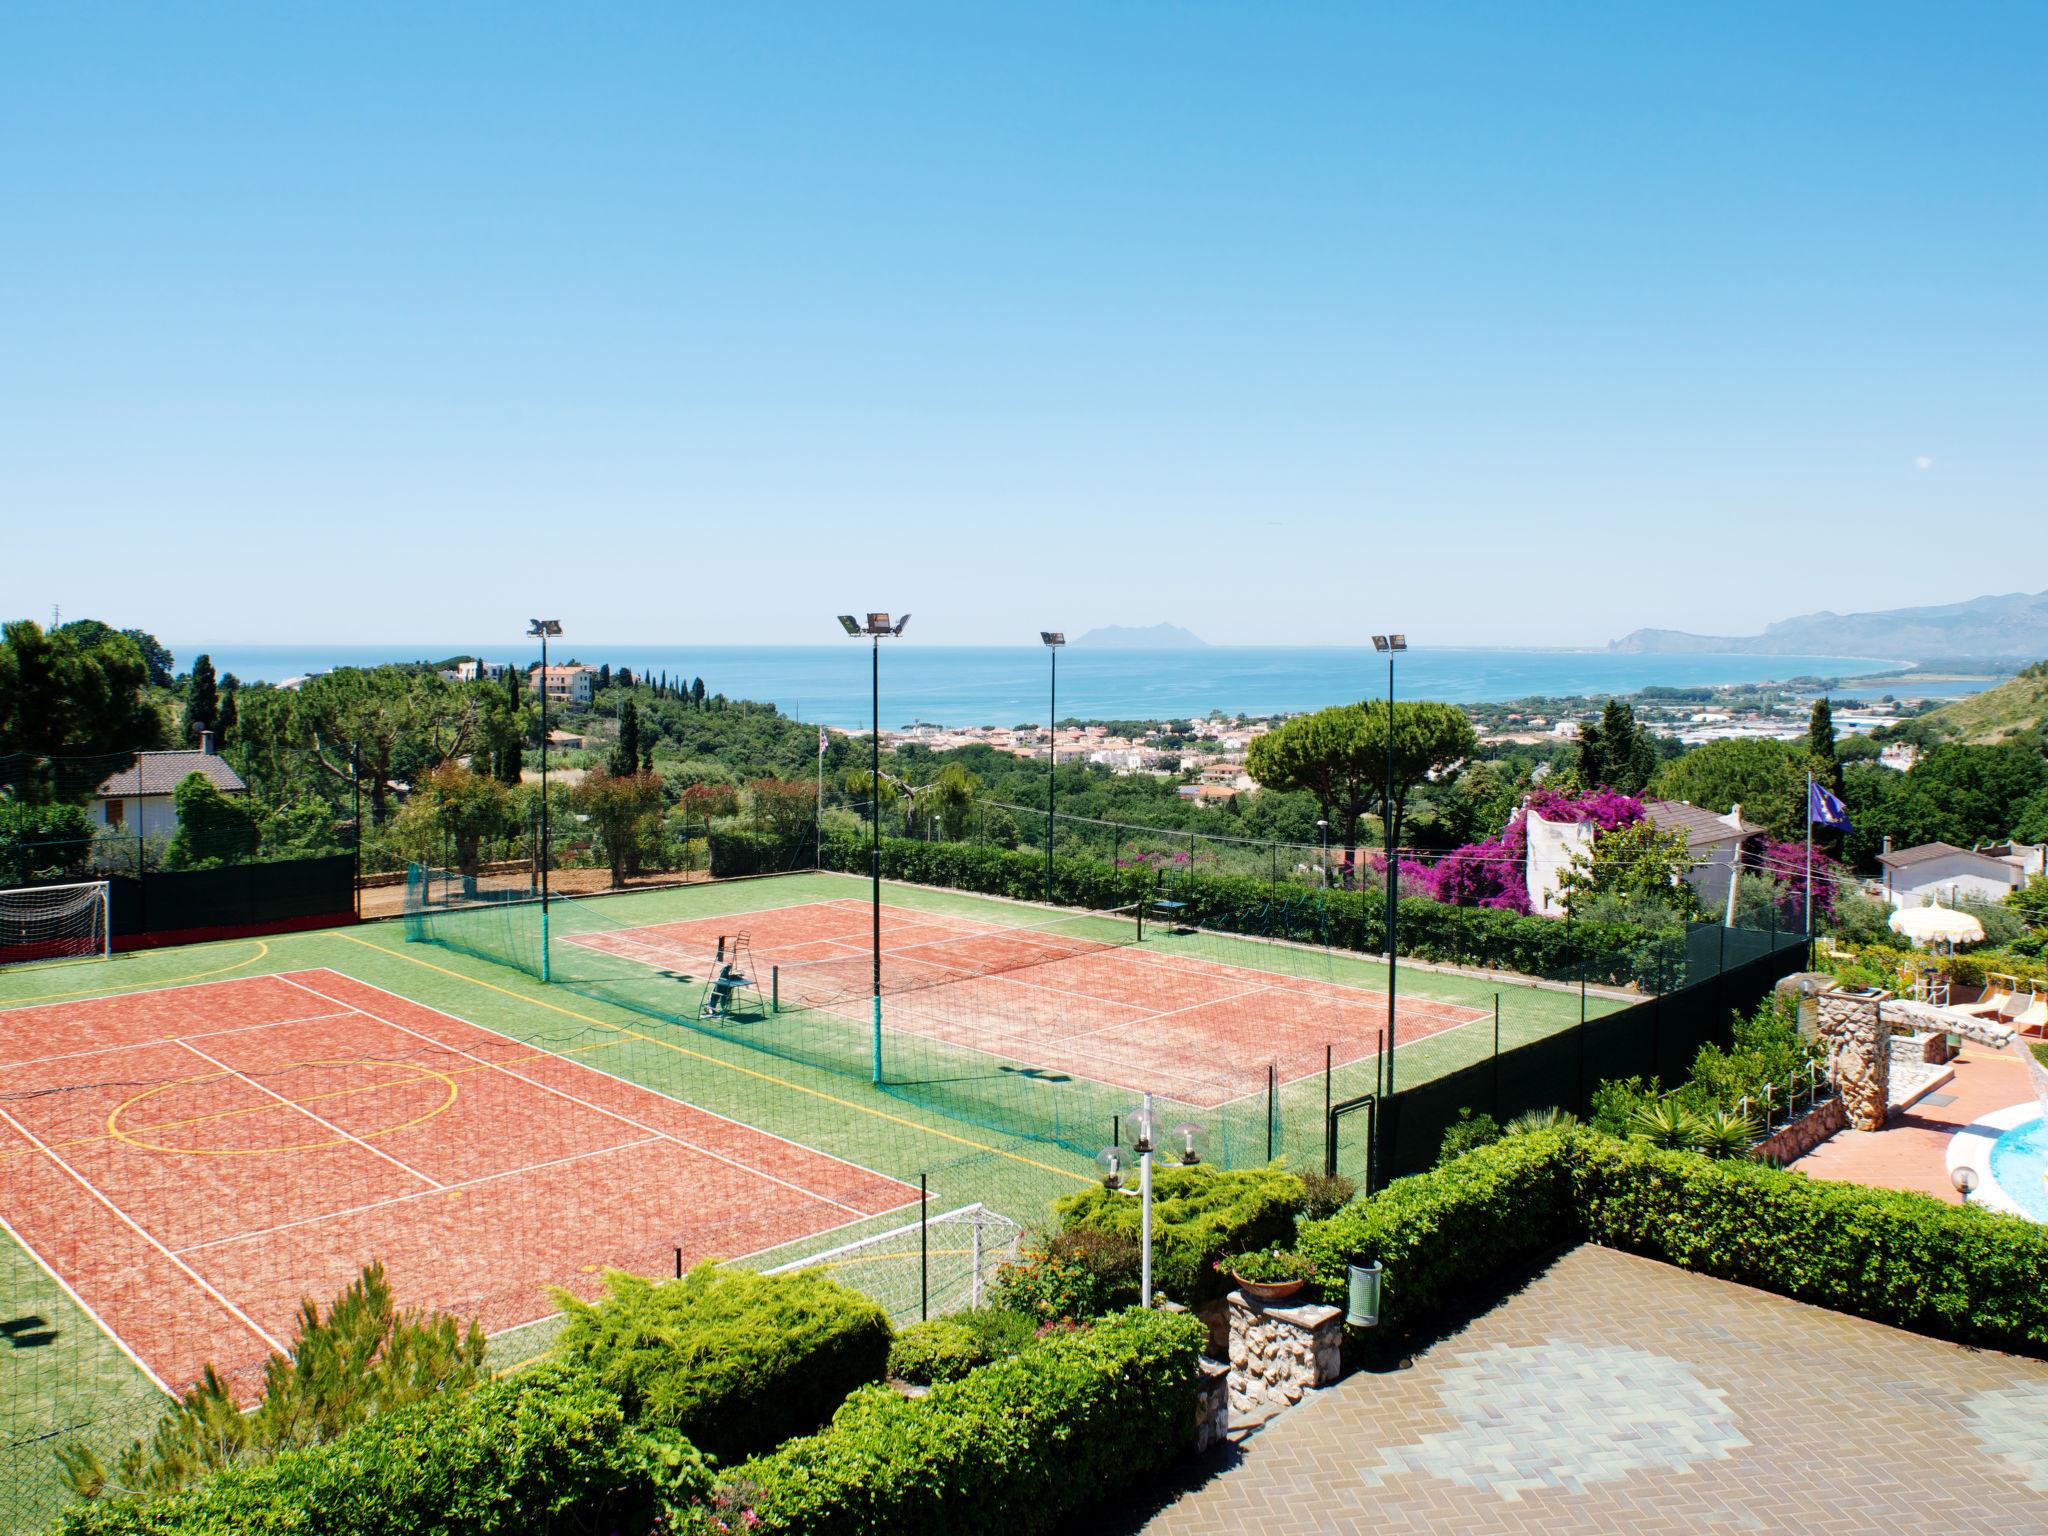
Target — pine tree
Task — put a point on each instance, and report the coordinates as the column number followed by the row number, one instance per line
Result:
column 604, row 676
column 202, row 701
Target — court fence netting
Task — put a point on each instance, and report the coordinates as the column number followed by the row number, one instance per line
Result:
column 1016, row 1020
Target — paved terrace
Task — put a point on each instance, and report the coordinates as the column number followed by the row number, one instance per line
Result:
column 1612, row 1393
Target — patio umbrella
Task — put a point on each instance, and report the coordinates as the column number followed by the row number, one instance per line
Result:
column 1937, row 925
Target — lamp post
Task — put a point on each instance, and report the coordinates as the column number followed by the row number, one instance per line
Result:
column 1390, row 646
column 875, row 628
column 543, row 629
column 1053, row 639
column 1323, row 836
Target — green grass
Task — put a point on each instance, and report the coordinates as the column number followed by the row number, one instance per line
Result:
column 81, row 1378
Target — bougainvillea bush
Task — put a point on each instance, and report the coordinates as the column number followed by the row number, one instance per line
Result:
column 1495, row 873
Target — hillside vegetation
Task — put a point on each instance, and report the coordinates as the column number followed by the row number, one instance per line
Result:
column 2018, row 708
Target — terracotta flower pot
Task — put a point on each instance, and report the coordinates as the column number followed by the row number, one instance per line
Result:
column 1270, row 1290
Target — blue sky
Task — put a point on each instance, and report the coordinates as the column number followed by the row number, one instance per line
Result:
column 1501, row 324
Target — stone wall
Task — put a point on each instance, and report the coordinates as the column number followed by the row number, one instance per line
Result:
column 1278, row 1351
column 1802, row 1135
column 1212, row 1404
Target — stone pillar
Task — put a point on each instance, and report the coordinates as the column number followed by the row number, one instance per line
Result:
column 1278, row 1351
column 1212, row 1403
column 1858, row 1042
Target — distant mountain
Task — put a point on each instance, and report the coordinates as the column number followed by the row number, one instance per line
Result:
column 2011, row 626
column 1156, row 637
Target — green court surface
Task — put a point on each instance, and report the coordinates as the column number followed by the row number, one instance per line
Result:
column 63, row 1376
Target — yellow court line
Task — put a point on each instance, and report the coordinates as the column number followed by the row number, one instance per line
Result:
column 262, row 953
column 423, row 1074
column 730, row 1066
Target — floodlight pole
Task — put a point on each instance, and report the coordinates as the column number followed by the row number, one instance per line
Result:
column 875, row 836
column 543, row 628
column 877, row 625
column 1393, row 876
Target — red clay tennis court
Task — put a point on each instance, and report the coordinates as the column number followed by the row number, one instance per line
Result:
column 1067, row 996
column 190, row 1163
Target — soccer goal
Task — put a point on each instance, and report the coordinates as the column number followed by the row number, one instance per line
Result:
column 54, row 922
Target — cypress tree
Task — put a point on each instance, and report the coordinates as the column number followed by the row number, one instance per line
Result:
column 626, row 758
column 230, row 711
column 202, row 700
column 697, row 693
column 1820, row 744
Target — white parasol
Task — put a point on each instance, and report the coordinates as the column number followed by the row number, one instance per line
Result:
column 1937, row 925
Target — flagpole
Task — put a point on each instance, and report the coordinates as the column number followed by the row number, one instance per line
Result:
column 1809, row 866
column 818, row 831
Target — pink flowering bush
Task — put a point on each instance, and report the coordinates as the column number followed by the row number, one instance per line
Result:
column 1493, row 873
column 1784, row 865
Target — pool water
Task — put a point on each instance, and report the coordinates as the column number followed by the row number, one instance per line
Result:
column 2018, row 1160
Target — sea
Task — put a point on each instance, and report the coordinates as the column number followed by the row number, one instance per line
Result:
column 1007, row 685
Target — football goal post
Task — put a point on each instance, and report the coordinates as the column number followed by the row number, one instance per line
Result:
column 54, row 922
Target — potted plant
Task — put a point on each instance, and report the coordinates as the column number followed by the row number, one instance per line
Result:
column 1269, row 1274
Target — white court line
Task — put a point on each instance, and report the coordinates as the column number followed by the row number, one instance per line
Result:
column 136, row 1045
column 319, row 1120
column 86, row 1307
column 619, row 1029
column 418, row 1194
column 142, row 1232
column 145, row 991
column 562, row 1093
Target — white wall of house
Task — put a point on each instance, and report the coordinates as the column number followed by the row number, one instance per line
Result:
column 152, row 816
column 1952, row 877
column 1553, row 845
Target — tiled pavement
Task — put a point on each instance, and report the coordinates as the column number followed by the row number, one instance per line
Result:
column 1910, row 1152
column 1612, row 1393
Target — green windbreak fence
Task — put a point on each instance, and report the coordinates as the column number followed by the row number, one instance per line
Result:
column 1049, row 1024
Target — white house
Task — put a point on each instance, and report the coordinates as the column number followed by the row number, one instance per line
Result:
column 1553, row 846
column 137, row 800
column 474, row 668
column 1945, row 873
column 1715, row 843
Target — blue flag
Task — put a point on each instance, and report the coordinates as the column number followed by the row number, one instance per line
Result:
column 1824, row 809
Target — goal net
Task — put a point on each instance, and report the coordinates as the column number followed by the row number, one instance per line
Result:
column 53, row 922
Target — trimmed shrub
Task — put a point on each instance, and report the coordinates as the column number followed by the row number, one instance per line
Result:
column 1465, row 1133
column 1890, row 1255
column 1020, row 1445
column 547, row 1450
column 1198, row 1215
column 1446, row 1232
column 1900, row 1258
column 938, row 1350
column 734, row 1360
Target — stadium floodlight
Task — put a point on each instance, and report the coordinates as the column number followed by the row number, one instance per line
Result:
column 1053, row 639
column 876, row 627
column 542, row 629
column 1384, row 643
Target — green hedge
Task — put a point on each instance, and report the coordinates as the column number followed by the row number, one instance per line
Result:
column 738, row 851
column 1606, row 953
column 734, row 1360
column 1447, row 1232
column 548, row 1450
column 1890, row 1255
column 1198, row 1215
column 1018, row 1446
column 1896, row 1257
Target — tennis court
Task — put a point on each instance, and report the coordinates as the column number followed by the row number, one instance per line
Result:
column 1075, row 996
column 190, row 1163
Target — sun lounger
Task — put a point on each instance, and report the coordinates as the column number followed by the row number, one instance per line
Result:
column 1996, row 999
column 2035, row 1020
